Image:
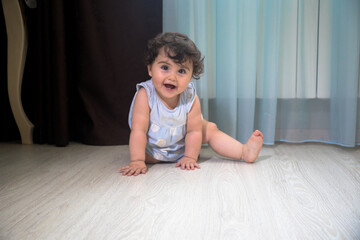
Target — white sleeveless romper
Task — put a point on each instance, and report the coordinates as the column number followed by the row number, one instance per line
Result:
column 167, row 127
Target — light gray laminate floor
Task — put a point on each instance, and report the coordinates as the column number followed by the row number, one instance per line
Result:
column 306, row 191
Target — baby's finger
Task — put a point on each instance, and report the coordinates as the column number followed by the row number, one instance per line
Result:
column 188, row 166
column 192, row 166
column 125, row 172
column 122, row 169
column 131, row 172
column 137, row 172
column 177, row 164
column 197, row 165
column 183, row 166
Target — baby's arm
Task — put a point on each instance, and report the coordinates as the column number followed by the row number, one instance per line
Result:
column 193, row 138
column 137, row 142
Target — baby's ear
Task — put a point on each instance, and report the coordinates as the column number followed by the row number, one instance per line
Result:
column 149, row 70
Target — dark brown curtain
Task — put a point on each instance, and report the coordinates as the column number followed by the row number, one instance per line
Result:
column 84, row 60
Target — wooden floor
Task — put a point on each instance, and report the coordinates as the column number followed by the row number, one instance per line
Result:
column 305, row 191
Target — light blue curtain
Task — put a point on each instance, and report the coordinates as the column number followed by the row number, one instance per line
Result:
column 289, row 68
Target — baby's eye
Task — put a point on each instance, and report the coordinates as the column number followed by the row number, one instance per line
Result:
column 182, row 71
column 164, row 67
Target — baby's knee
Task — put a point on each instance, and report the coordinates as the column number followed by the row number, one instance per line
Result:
column 209, row 129
column 212, row 127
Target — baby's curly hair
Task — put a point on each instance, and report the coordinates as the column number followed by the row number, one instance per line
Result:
column 179, row 48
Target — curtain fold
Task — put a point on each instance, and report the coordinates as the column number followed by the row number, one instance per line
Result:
column 288, row 68
column 267, row 69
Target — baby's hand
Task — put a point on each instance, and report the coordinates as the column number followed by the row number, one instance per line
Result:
column 188, row 163
column 134, row 168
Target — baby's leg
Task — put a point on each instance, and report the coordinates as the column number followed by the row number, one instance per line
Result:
column 229, row 147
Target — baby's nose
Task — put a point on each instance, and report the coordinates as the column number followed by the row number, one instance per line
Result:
column 172, row 76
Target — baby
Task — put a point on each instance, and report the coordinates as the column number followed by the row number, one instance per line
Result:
column 165, row 115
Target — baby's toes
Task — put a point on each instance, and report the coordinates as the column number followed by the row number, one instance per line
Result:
column 258, row 133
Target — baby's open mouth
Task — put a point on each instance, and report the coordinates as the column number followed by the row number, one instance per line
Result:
column 169, row 86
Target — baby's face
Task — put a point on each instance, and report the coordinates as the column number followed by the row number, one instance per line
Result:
column 170, row 78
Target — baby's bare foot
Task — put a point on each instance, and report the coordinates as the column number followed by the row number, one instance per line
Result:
column 253, row 146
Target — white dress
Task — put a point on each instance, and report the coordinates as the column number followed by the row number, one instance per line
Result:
column 167, row 127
